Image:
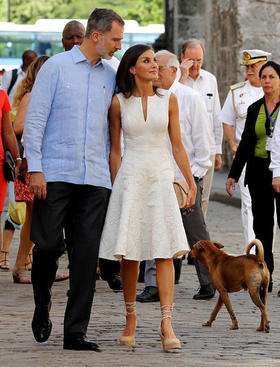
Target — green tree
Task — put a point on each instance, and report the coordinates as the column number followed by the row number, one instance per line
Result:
column 28, row 11
column 146, row 12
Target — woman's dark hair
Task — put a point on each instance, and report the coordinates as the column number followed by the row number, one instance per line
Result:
column 124, row 79
column 273, row 64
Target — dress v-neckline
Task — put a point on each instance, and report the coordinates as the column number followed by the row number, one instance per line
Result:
column 142, row 107
column 147, row 109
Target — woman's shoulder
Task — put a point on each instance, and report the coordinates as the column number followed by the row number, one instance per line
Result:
column 119, row 95
column 3, row 94
column 24, row 101
column 256, row 105
column 4, row 101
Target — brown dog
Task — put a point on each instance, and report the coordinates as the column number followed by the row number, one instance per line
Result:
column 233, row 273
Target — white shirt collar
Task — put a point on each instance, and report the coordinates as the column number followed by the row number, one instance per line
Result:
column 174, row 85
column 200, row 76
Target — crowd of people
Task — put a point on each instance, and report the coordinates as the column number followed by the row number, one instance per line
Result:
column 97, row 145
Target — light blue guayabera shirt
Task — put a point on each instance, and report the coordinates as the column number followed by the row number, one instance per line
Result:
column 66, row 132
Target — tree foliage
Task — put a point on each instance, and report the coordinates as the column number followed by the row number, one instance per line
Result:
column 146, row 12
column 28, row 11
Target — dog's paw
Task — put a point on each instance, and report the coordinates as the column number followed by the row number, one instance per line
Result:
column 207, row 323
column 234, row 327
column 267, row 328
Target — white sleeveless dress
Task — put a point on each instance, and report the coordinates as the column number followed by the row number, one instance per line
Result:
column 143, row 220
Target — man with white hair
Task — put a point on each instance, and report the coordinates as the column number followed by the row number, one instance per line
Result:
column 205, row 83
column 192, row 113
column 233, row 117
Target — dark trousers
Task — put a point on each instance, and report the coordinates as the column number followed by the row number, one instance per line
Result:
column 109, row 268
column 84, row 207
column 263, row 206
column 196, row 230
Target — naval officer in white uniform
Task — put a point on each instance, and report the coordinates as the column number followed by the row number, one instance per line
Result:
column 233, row 117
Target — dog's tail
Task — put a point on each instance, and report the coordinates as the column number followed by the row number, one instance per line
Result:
column 259, row 252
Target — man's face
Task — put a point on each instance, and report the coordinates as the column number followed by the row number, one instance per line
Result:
column 110, row 42
column 73, row 35
column 166, row 75
column 196, row 56
column 252, row 73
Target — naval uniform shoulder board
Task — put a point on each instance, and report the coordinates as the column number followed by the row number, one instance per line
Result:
column 237, row 85
column 233, row 88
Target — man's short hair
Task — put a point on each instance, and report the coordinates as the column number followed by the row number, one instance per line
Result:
column 172, row 58
column 72, row 23
column 192, row 43
column 28, row 53
column 101, row 20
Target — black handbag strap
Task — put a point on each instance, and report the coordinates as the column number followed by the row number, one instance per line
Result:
column 13, row 80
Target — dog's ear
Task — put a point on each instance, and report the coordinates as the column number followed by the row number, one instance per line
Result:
column 218, row 245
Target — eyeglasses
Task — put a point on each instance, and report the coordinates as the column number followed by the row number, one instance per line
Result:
column 196, row 61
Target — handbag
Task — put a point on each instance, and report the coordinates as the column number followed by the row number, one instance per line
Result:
column 17, row 212
column 9, row 167
column 181, row 188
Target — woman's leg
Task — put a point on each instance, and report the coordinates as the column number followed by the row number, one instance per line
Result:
column 25, row 246
column 0, row 235
column 9, row 228
column 7, row 240
column 165, row 281
column 129, row 274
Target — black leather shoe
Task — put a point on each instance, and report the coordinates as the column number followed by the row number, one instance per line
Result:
column 149, row 294
column 80, row 343
column 205, row 292
column 115, row 283
column 41, row 330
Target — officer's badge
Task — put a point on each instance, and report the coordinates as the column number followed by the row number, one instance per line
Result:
column 246, row 56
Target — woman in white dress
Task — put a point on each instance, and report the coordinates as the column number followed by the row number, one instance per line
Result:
column 143, row 220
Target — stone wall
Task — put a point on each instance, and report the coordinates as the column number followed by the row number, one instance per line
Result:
column 226, row 27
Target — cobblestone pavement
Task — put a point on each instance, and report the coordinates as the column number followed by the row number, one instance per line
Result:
column 215, row 346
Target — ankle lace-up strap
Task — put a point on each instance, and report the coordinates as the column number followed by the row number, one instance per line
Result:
column 130, row 308
column 166, row 311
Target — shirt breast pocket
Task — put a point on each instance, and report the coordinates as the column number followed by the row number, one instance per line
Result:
column 102, row 100
column 209, row 100
column 242, row 108
column 68, row 95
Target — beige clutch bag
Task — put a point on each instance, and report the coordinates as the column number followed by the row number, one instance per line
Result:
column 181, row 188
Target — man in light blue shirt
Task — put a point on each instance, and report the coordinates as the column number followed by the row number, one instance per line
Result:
column 67, row 148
